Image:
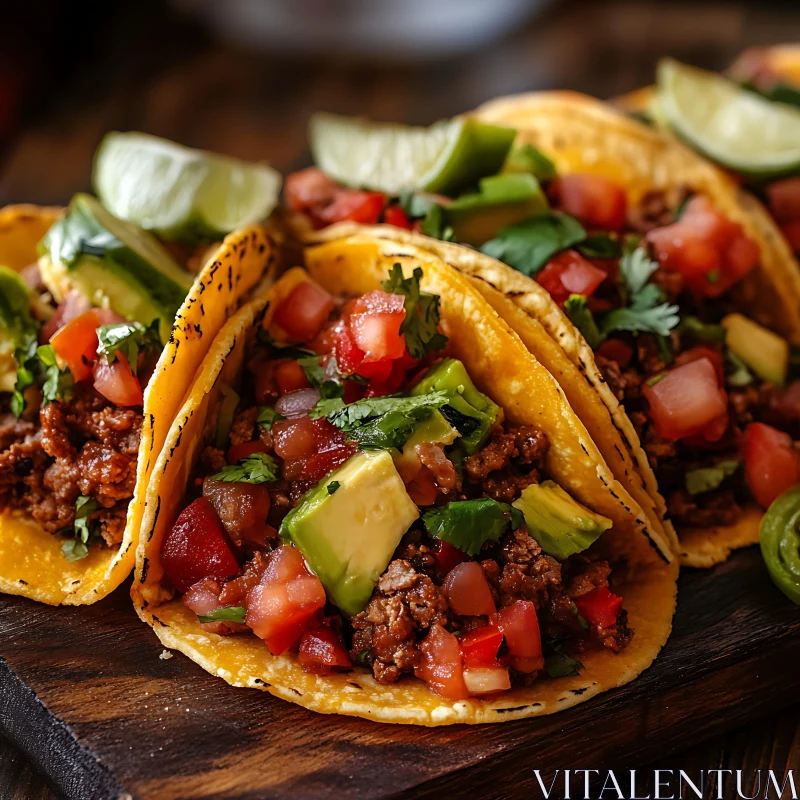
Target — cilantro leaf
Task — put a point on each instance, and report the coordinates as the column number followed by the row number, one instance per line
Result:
column 635, row 269
column 435, row 224
column 527, row 158
column 600, row 245
column 130, row 339
column 229, row 614
column 420, row 327
column 577, row 309
column 58, row 383
column 469, row 524
column 256, row 468
column 706, row 479
column 318, row 376
column 380, row 423
column 528, row 245
column 77, row 547
column 560, row 665
column 416, row 205
column 642, row 318
column 267, row 417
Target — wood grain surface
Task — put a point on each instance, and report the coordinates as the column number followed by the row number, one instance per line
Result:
column 88, row 695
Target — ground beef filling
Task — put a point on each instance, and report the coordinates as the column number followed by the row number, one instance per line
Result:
column 86, row 447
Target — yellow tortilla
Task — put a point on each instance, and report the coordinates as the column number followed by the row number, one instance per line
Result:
column 31, row 561
column 585, row 135
column 502, row 367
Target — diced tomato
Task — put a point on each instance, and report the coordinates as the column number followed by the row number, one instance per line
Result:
column 321, row 651
column 394, row 215
column 707, row 249
column 784, row 199
column 570, row 273
column 286, row 601
column 353, row 391
column 322, row 464
column 197, row 547
column 236, row 452
column 325, row 341
column 392, row 384
column 599, row 607
column 290, row 377
column 442, row 667
column 447, row 556
column 204, row 598
column 467, row 590
column 479, row 647
column 241, row 507
column 354, row 205
column 304, row 311
column 75, row 343
column 686, row 400
column 309, row 190
column 520, row 627
column 704, row 351
column 348, row 355
column 116, row 382
column 791, row 231
column 374, row 322
column 294, row 438
column 596, row 201
column 376, row 371
column 422, row 488
column 771, row 463
column 617, row 350
column 486, row 680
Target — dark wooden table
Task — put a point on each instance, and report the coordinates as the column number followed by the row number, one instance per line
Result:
column 70, row 72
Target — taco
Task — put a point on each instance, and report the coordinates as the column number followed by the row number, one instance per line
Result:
column 376, row 502
column 101, row 332
column 641, row 259
column 747, row 120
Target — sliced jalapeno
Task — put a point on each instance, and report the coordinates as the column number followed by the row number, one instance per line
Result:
column 780, row 543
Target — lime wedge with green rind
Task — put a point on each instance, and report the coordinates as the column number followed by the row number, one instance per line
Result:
column 737, row 128
column 447, row 157
column 178, row 192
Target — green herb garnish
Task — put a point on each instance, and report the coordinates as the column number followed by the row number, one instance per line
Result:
column 229, row 614
column 130, row 339
column 256, row 468
column 77, row 547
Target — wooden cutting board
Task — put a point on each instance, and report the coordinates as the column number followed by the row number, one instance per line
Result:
column 86, row 694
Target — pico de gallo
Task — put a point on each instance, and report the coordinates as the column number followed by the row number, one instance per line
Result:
column 655, row 288
column 364, row 505
column 72, row 374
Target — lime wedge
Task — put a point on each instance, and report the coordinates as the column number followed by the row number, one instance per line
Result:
column 178, row 192
column 737, row 128
column 447, row 157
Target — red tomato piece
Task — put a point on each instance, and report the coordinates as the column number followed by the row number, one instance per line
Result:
column 355, row 205
column 599, row 607
column 704, row 351
column 708, row 250
column 309, row 190
column 771, row 463
column 520, row 627
column 442, row 667
column 374, row 322
column 784, row 199
column 197, row 547
column 447, row 556
column 392, row 384
column 353, row 391
column 570, row 273
column 286, row 601
column 394, row 215
column 479, row 647
column 686, row 400
column 242, row 508
column 596, row 201
column 73, row 305
column 236, row 452
column 290, row 377
column 304, row 311
column 75, row 343
column 294, row 438
column 348, row 354
column 117, row 383
column 468, row 591
column 321, row 651
column 617, row 350
column 322, row 464
column 377, row 371
column 422, row 488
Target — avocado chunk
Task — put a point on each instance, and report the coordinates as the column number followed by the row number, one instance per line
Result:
column 18, row 329
column 469, row 411
column 766, row 353
column 561, row 525
column 501, row 201
column 114, row 264
column 350, row 524
column 436, row 430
